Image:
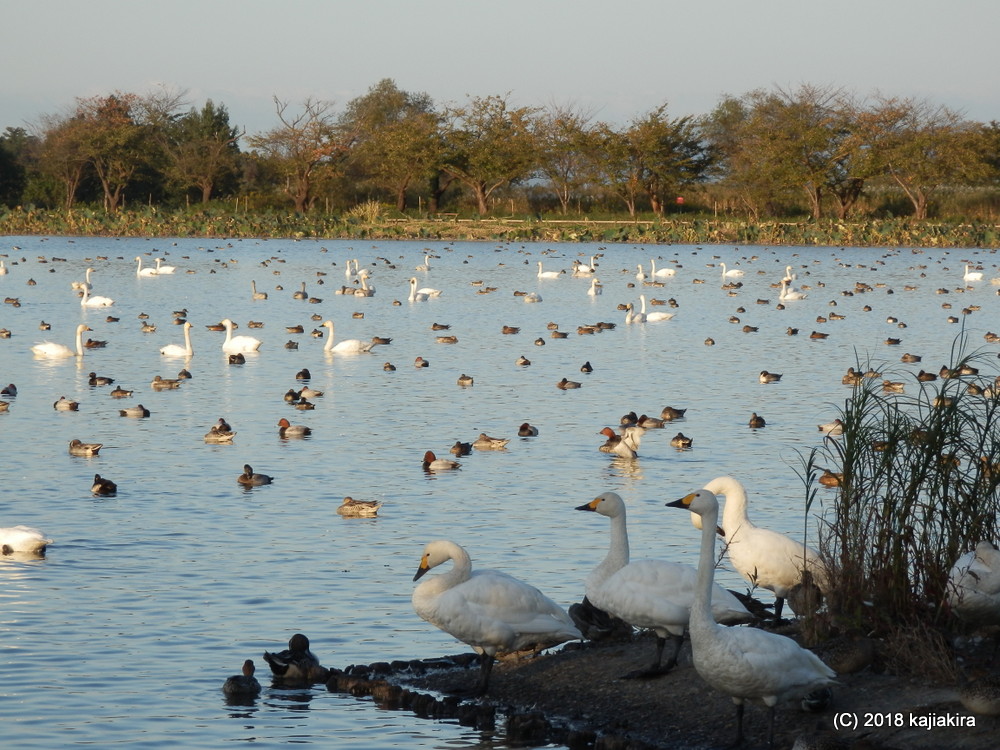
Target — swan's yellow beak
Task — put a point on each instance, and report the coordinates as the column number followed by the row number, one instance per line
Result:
column 422, row 568
column 684, row 502
column 592, row 505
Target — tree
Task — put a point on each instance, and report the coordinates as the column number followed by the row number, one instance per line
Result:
column 62, row 155
column 561, row 137
column 488, row 145
column 305, row 148
column 668, row 155
column 615, row 164
column 394, row 137
column 15, row 145
column 202, row 149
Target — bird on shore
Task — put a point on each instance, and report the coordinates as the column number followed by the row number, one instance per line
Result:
column 974, row 585
column 744, row 663
column 492, row 612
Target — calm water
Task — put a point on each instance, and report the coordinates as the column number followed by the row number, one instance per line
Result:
column 148, row 600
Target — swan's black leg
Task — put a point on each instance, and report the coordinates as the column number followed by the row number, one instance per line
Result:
column 658, row 667
column 779, row 604
column 485, row 668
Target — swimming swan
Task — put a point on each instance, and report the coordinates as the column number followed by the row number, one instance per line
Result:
column 347, row 346
column 423, row 294
column 653, row 317
column 161, row 269
column 660, row 273
column 654, row 594
column 140, row 271
column 23, row 540
column 51, row 350
column 547, row 274
column 238, row 344
column 744, row 663
column 489, row 610
column 88, row 301
column 175, row 350
column 789, row 293
column 972, row 275
column 763, row 557
column 731, row 273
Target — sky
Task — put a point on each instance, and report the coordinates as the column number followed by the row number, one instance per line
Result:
column 613, row 60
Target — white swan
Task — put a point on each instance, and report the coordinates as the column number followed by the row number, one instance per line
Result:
column 51, row 350
column 654, row 594
column 972, row 275
column 347, row 346
column 659, row 273
column 352, row 267
column 423, row 294
column 22, row 539
column 254, row 294
column 582, row 269
column 763, row 557
column 974, row 585
column 175, row 350
column 161, row 269
column 365, row 290
column 595, row 287
column 732, row 273
column 789, row 293
column 790, row 275
column 640, row 274
column 85, row 284
column 633, row 317
column 238, row 344
column 489, row 610
column 547, row 274
column 744, row 663
column 426, row 265
column 98, row 301
column 140, row 271
column 653, row 317
column 3, row 269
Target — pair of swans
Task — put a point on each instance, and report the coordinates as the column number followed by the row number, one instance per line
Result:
column 789, row 293
column 423, row 294
column 175, row 350
column 642, row 316
column 490, row 611
column 745, row 663
column 347, row 346
column 653, row 594
column 51, row 350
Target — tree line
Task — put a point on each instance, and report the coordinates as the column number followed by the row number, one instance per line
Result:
column 819, row 152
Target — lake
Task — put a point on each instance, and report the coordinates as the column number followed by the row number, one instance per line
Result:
column 148, row 600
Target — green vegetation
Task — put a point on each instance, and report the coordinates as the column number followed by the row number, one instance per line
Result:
column 763, row 161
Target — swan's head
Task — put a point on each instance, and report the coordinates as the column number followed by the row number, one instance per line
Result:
column 702, row 503
column 434, row 554
column 81, row 328
column 609, row 504
column 227, row 323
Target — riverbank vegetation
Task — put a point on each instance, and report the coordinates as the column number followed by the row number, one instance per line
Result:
column 760, row 167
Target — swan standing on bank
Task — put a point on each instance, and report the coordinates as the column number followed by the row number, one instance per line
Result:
column 489, row 610
column 175, row 350
column 23, row 540
column 654, row 594
column 51, row 350
column 238, row 344
column 347, row 346
column 145, row 272
column 763, row 557
column 744, row 663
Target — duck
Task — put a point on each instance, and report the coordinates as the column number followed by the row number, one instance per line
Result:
column 65, row 404
column 95, row 380
column 251, row 479
column 981, row 695
column 973, row 589
column 244, row 684
column 237, row 359
column 175, row 350
column 303, row 374
column 486, row 443
column 547, row 274
column 220, row 435
column 836, row 427
column 347, row 346
column 143, row 272
column 238, row 344
column 160, row 383
column 586, row 367
column 744, row 663
column 465, row 380
column 681, row 441
column 625, row 445
column 490, row 611
column 769, row 377
column 389, row 367
column 460, row 448
column 162, row 269
column 763, row 557
column 433, row 463
column 830, row 478
column 135, row 411
column 79, row 448
column 671, row 413
column 24, row 540
column 296, row 664
column 102, row 486
column 852, row 377
column 653, row 594
column 50, row 350
column 757, row 421
column 352, row 508
column 9, row 390
column 288, row 430
column 527, row 430
column 421, row 362
column 307, row 392
column 120, row 392
column 522, row 361
column 567, row 385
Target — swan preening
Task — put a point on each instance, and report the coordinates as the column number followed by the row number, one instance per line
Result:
column 763, row 557
column 147, row 271
column 654, row 594
column 51, row 350
column 238, row 344
column 744, row 663
column 491, row 611
column 175, row 350
column 23, row 540
column 347, row 346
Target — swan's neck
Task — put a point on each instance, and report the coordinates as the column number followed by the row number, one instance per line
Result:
column 187, row 339
column 702, row 620
column 618, row 553
column 79, row 342
column 642, row 298
column 329, row 341
column 735, row 520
